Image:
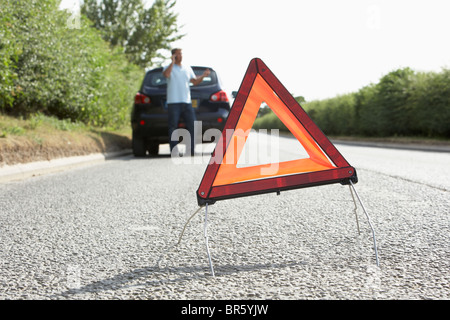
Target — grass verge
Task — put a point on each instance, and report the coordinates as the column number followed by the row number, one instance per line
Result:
column 44, row 138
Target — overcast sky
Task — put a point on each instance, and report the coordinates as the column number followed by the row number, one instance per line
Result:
column 317, row 49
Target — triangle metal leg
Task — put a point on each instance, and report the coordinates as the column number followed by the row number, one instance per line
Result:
column 354, row 210
column 206, row 240
column 370, row 223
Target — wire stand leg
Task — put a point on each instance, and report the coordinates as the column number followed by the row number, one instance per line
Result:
column 356, row 215
column 206, row 240
column 370, row 224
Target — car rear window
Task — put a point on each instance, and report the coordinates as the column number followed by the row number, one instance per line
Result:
column 156, row 78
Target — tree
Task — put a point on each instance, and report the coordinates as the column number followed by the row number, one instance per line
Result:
column 139, row 31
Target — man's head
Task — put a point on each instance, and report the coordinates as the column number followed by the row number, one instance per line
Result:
column 176, row 52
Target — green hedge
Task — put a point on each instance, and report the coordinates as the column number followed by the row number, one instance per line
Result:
column 402, row 103
column 50, row 65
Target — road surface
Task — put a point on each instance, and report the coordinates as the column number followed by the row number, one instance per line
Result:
column 107, row 231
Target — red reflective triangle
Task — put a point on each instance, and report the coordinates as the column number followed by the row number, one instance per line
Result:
column 224, row 180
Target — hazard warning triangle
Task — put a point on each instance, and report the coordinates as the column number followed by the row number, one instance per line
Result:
column 224, row 179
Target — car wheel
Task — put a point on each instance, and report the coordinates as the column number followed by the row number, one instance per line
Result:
column 138, row 147
column 153, row 148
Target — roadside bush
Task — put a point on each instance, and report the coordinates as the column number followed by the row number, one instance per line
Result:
column 8, row 56
column 393, row 111
column 430, row 104
column 67, row 72
column 402, row 103
column 335, row 115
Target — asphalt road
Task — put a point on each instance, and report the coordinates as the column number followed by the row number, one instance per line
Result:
column 107, row 231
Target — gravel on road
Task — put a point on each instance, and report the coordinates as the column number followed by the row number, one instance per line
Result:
column 98, row 233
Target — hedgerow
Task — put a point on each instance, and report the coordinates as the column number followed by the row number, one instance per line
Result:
column 52, row 66
column 403, row 103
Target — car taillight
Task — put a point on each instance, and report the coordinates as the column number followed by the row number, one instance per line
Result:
column 141, row 99
column 219, row 96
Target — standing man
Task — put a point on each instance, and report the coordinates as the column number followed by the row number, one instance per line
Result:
column 179, row 95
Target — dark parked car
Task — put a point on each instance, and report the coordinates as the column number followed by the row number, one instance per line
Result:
column 149, row 117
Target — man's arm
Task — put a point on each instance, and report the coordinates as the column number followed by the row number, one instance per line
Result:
column 166, row 73
column 198, row 80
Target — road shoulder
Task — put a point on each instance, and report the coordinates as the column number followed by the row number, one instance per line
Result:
column 37, row 168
